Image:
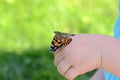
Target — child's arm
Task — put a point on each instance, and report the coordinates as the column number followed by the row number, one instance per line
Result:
column 87, row 52
column 99, row 75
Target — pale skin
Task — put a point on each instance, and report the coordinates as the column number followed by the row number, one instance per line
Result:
column 99, row 75
column 87, row 52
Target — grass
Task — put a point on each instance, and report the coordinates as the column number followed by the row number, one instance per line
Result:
column 26, row 31
column 30, row 66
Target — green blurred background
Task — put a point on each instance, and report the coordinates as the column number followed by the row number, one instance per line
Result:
column 26, row 31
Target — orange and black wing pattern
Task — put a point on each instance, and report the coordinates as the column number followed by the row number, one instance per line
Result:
column 60, row 40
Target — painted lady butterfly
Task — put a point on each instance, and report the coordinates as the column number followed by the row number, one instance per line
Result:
column 60, row 40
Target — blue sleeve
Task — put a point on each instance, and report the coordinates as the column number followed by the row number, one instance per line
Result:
column 117, row 25
column 119, row 6
column 108, row 75
column 117, row 28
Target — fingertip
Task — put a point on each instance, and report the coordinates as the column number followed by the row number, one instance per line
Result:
column 72, row 73
column 63, row 66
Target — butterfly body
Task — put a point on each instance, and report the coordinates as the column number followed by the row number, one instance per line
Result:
column 60, row 40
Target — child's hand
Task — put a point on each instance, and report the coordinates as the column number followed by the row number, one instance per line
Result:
column 83, row 54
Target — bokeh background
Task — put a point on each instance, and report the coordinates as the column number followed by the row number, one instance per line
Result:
column 26, row 31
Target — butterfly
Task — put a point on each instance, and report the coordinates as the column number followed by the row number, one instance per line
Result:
column 60, row 40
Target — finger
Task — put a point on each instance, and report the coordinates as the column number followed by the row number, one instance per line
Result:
column 71, row 73
column 58, row 51
column 58, row 58
column 63, row 66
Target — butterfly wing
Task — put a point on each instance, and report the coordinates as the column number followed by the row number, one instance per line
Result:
column 56, row 44
column 60, row 40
